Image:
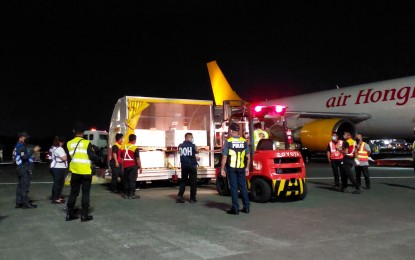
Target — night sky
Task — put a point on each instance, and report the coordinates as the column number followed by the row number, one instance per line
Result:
column 67, row 61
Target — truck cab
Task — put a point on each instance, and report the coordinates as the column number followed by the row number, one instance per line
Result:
column 99, row 141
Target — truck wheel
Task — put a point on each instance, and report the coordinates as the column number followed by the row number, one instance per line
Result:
column 222, row 186
column 260, row 191
column 217, row 159
column 302, row 196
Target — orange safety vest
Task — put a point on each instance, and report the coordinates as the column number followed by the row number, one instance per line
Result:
column 334, row 153
column 119, row 157
column 128, row 155
column 362, row 154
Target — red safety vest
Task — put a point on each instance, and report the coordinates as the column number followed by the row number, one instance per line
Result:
column 334, row 153
column 362, row 154
column 350, row 152
column 119, row 157
column 128, row 155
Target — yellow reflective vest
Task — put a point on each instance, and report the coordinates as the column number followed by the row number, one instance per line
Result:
column 257, row 132
column 80, row 163
column 236, row 152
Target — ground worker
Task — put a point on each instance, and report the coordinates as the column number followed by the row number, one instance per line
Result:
column 116, row 163
column 259, row 134
column 24, row 162
column 235, row 167
column 335, row 158
column 131, row 165
column 81, row 154
column 188, row 164
column 362, row 154
column 348, row 161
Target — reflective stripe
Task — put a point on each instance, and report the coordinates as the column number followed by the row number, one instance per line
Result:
column 236, row 151
column 351, row 146
column 80, row 162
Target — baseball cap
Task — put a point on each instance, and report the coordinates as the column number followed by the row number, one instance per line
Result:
column 79, row 127
column 24, row 134
column 234, row 127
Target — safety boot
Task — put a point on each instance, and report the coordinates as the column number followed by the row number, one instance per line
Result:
column 70, row 214
column 84, row 215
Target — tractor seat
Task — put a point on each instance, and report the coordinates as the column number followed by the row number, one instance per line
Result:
column 265, row 144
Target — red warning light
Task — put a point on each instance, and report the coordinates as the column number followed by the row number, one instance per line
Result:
column 280, row 109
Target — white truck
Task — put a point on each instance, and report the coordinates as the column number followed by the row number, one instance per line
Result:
column 160, row 125
column 99, row 141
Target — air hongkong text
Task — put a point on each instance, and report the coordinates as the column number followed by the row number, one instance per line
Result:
column 367, row 96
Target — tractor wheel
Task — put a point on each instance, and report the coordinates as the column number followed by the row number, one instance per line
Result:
column 222, row 186
column 260, row 191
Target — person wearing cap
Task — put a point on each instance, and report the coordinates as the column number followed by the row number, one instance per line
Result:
column 235, row 159
column 81, row 154
column 24, row 162
column 58, row 168
column 335, row 158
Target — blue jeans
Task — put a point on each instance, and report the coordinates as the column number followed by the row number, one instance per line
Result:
column 237, row 180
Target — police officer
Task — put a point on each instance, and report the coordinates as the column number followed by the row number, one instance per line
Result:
column 131, row 164
column 81, row 155
column 335, row 158
column 24, row 161
column 236, row 157
column 348, row 149
column 188, row 162
column 362, row 154
column 116, row 163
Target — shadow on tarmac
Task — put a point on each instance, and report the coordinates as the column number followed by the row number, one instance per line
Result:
column 399, row 185
column 217, row 205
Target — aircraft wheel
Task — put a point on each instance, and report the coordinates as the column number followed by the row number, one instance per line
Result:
column 260, row 191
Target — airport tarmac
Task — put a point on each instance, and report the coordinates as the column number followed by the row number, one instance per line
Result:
column 377, row 224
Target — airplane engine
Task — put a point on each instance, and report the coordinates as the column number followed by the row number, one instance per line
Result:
column 317, row 134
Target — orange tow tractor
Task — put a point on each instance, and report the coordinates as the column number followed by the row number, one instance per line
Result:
column 274, row 172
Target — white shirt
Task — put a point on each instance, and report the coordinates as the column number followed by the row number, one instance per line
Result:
column 57, row 161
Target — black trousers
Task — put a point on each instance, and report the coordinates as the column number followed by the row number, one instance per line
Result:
column 24, row 175
column 58, row 175
column 79, row 181
column 188, row 173
column 130, row 180
column 347, row 174
column 365, row 170
column 116, row 172
column 336, row 166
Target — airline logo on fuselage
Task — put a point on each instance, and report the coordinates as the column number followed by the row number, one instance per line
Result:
column 366, row 96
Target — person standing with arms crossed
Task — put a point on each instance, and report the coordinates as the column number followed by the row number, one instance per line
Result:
column 116, row 163
column 362, row 154
column 24, row 162
column 348, row 162
column 81, row 154
column 131, row 164
column 335, row 158
column 188, row 162
column 233, row 159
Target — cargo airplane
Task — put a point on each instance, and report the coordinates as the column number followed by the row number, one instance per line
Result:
column 378, row 110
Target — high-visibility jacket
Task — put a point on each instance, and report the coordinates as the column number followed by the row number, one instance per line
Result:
column 350, row 152
column 80, row 162
column 119, row 157
column 128, row 155
column 236, row 152
column 22, row 154
column 257, row 132
column 362, row 154
column 334, row 153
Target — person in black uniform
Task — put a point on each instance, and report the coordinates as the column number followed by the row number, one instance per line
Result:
column 348, row 149
column 24, row 161
column 116, row 163
column 188, row 162
column 236, row 158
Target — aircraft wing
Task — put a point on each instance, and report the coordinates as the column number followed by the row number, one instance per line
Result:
column 354, row 117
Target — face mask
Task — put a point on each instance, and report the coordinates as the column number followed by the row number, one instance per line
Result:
column 334, row 138
column 345, row 136
column 192, row 140
column 357, row 140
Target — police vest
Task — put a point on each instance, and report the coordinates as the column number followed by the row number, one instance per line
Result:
column 187, row 151
column 20, row 152
column 128, row 155
column 257, row 132
column 350, row 152
column 362, row 154
column 119, row 157
column 236, row 152
column 80, row 163
column 334, row 153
